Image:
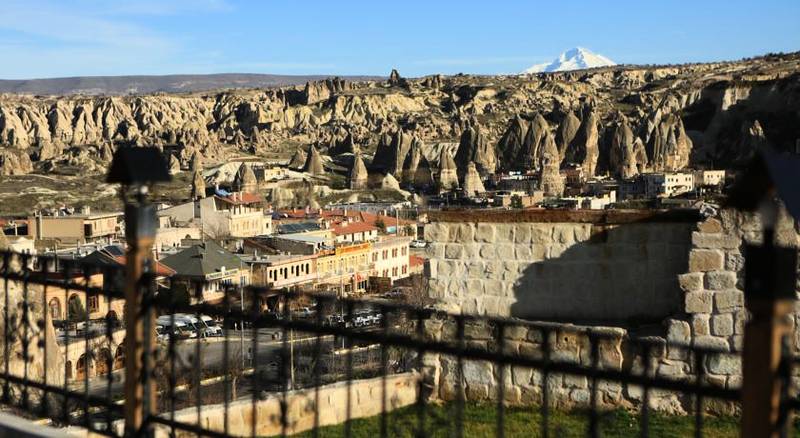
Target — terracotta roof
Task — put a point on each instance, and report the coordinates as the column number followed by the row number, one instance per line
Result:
column 414, row 260
column 387, row 220
column 241, row 198
column 353, row 227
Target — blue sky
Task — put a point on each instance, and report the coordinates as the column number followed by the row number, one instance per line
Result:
column 52, row 38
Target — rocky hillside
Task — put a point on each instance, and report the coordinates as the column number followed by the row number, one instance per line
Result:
column 615, row 120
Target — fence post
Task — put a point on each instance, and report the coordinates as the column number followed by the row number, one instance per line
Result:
column 139, row 327
column 769, row 296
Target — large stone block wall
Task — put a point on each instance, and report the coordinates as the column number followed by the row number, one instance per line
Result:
column 687, row 277
column 578, row 272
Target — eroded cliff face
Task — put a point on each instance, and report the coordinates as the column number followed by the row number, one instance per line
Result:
column 690, row 115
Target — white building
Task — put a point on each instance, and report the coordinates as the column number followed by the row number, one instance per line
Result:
column 709, row 177
column 668, row 184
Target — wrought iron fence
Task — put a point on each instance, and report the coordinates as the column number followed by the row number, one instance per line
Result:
column 262, row 362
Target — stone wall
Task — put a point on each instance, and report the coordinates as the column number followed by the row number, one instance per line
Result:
column 678, row 282
column 365, row 401
column 593, row 270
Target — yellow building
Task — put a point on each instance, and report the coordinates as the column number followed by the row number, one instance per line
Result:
column 345, row 269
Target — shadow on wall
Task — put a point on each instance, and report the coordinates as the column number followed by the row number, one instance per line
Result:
column 621, row 274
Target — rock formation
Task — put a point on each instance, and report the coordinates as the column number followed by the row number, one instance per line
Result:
column 566, row 132
column 584, row 150
column 198, row 185
column 358, row 175
column 14, row 162
column 550, row 180
column 423, row 176
column 473, row 148
column 472, row 184
column 392, row 150
column 664, row 106
column 623, row 155
column 510, row 145
column 448, row 172
column 197, row 162
column 245, row 180
column 174, row 165
column 412, row 163
column 298, row 160
column 313, row 163
column 669, row 146
column 389, row 182
column 533, row 144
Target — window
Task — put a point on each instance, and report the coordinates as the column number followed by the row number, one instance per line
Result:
column 394, row 272
column 404, row 250
column 405, row 269
column 394, row 252
column 93, row 304
column 374, row 256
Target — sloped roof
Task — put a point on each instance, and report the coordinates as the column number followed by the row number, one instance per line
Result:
column 201, row 260
column 353, row 227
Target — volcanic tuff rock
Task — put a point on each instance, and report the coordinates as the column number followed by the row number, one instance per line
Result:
column 245, row 179
column 624, row 160
column 448, row 172
column 583, row 149
column 473, row 148
column 389, row 182
column 298, row 160
column 566, row 132
column 358, row 174
column 550, row 180
column 688, row 115
column 472, row 180
column 198, row 185
column 14, row 162
column 669, row 147
column 313, row 163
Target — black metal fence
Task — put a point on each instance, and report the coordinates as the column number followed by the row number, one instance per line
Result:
column 260, row 362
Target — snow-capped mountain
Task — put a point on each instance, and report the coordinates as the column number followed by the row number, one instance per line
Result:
column 573, row 59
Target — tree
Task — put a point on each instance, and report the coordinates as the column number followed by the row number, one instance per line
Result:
column 516, row 202
column 379, row 223
column 75, row 310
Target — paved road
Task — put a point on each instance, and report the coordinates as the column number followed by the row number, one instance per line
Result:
column 212, row 353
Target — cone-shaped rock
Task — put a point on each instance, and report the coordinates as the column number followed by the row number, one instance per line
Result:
column 472, row 181
column 510, row 144
column 412, row 163
column 197, row 162
column 448, row 173
column 358, row 174
column 669, row 146
column 174, row 164
column 245, row 180
column 566, row 132
column 389, row 182
column 473, row 147
column 531, row 152
column 198, row 185
column 622, row 159
column 583, row 150
column 423, row 176
column 751, row 138
column 550, row 180
column 314, row 162
column 391, row 152
column 298, row 160
column 281, row 197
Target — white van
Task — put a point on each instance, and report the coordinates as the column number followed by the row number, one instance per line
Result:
column 212, row 328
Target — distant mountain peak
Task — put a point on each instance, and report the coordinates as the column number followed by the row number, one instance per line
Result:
column 573, row 59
